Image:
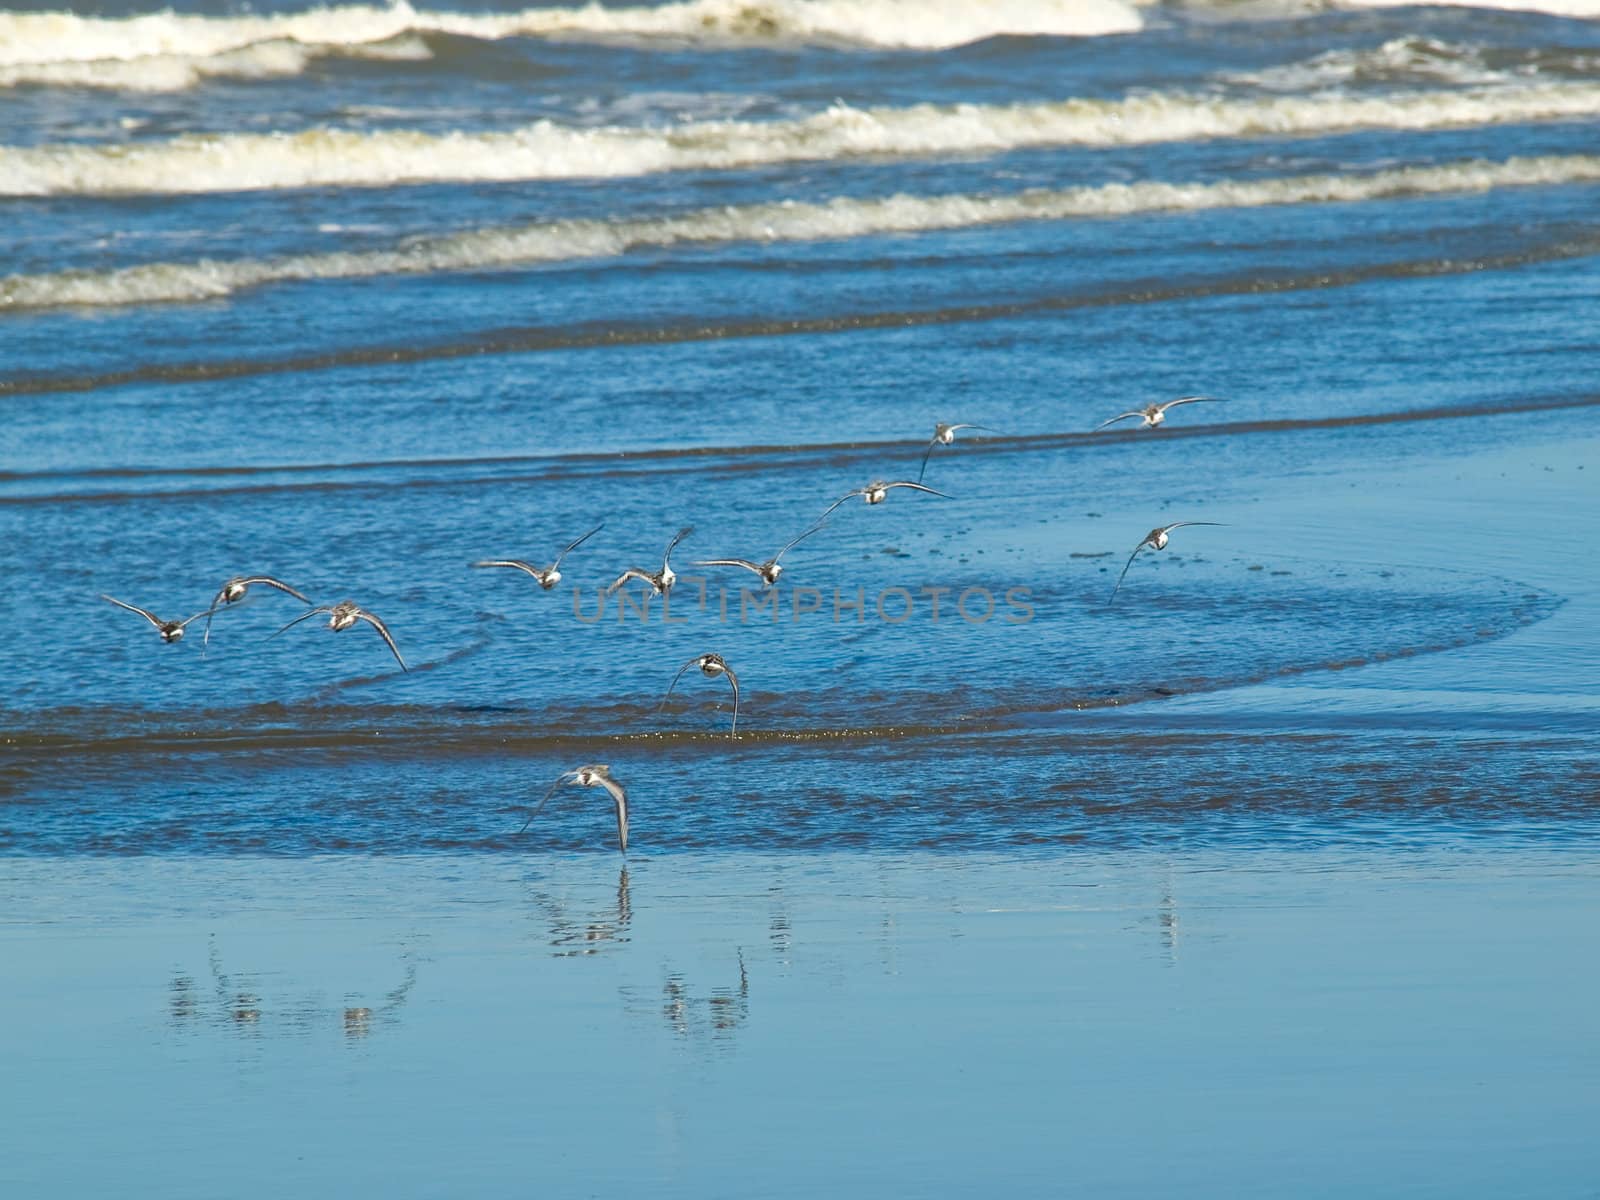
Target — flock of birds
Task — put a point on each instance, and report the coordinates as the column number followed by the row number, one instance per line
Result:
column 346, row 614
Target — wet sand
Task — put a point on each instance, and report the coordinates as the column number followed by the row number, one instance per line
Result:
column 1136, row 1023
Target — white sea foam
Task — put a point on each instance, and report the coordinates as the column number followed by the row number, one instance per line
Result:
column 1414, row 60
column 790, row 221
column 349, row 158
column 1408, row 60
column 58, row 37
column 178, row 72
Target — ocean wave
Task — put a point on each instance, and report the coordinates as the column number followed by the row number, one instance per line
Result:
column 1408, row 60
column 61, row 37
column 178, row 72
column 562, row 339
column 1588, row 9
column 351, row 158
column 1414, row 60
column 788, row 221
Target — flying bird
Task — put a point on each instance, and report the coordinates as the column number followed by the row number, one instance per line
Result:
column 594, row 775
column 660, row 583
column 876, row 492
column 549, row 576
column 342, row 616
column 769, row 570
column 711, row 665
column 170, row 631
column 944, row 435
column 1156, row 539
column 1152, row 415
column 234, row 591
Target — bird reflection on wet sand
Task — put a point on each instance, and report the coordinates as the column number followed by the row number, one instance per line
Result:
column 359, row 1021
column 236, row 1005
column 239, row 1007
column 181, row 1004
column 716, row 1016
column 693, row 1016
column 592, row 932
column 780, row 932
column 1167, row 919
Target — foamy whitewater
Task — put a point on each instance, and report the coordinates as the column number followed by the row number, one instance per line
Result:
column 54, row 37
column 786, row 221
column 179, row 72
column 1407, row 59
column 349, row 158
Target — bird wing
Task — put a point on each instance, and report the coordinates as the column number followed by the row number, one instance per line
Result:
column 1125, row 567
column 271, row 582
column 734, row 680
column 672, row 545
column 918, row 486
column 509, row 562
column 674, row 682
column 923, row 469
column 632, row 573
column 815, row 525
column 246, row 581
column 731, row 562
column 620, row 795
column 205, row 612
column 564, row 777
column 363, row 615
column 1187, row 400
column 1181, row 524
column 574, row 545
column 321, row 608
column 1114, row 420
column 210, row 612
column 143, row 612
column 828, row 511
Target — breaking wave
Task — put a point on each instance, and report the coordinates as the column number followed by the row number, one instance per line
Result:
column 1409, row 60
column 353, row 158
column 61, row 37
column 773, row 222
column 1414, row 60
column 179, row 72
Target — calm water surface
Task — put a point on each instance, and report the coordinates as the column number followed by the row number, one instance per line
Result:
column 1125, row 1022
